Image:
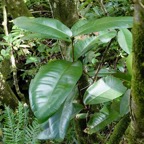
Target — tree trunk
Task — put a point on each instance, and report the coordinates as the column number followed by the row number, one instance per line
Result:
column 17, row 8
column 136, row 129
column 65, row 11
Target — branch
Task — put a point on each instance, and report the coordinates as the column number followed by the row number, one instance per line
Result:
column 12, row 59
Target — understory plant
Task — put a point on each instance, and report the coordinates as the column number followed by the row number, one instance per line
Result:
column 18, row 127
column 80, row 85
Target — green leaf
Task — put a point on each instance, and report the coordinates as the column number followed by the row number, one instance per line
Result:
column 129, row 63
column 102, row 24
column 56, row 126
column 83, row 46
column 102, row 119
column 51, row 86
column 104, row 90
column 125, row 40
column 124, row 104
column 32, row 60
column 51, row 28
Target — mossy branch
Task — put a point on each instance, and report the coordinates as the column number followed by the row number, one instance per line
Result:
column 119, row 130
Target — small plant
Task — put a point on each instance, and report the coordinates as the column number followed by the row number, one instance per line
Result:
column 56, row 93
column 19, row 127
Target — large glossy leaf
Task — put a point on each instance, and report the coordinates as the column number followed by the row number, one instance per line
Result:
column 100, row 120
column 82, row 46
column 56, row 126
column 125, row 40
column 102, row 24
column 51, row 86
column 104, row 90
column 51, row 28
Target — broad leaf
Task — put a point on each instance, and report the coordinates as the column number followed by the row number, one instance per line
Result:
column 100, row 120
column 124, row 105
column 83, row 46
column 51, row 28
column 102, row 24
column 51, row 86
column 104, row 90
column 56, row 126
column 125, row 40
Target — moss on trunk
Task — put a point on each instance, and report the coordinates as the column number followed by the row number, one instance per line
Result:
column 65, row 11
column 119, row 130
column 136, row 129
column 17, row 8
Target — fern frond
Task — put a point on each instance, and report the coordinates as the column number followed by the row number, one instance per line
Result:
column 17, row 126
column 32, row 132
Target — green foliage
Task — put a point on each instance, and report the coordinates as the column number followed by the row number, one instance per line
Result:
column 104, row 90
column 55, row 94
column 17, row 126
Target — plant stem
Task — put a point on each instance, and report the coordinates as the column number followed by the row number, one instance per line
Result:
column 102, row 60
column 12, row 59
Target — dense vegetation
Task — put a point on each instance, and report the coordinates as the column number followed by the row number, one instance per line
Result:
column 66, row 72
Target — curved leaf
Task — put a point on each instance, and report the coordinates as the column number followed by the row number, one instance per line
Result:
column 100, row 120
column 83, row 46
column 104, row 90
column 51, row 86
column 56, row 126
column 102, row 24
column 51, row 28
column 125, row 40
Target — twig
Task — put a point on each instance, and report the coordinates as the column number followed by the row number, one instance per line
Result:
column 12, row 59
column 102, row 60
column 73, row 49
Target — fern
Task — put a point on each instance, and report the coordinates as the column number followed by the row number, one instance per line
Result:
column 17, row 128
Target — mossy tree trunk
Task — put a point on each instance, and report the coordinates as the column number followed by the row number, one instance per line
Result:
column 17, row 8
column 65, row 11
column 136, row 129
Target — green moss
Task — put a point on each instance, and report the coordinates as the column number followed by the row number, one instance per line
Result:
column 136, row 129
column 119, row 130
column 17, row 8
column 65, row 11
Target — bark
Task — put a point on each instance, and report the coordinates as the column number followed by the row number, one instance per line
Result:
column 119, row 130
column 136, row 129
column 17, row 8
column 65, row 11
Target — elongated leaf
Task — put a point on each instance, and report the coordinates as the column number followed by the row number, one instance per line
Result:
column 102, row 24
column 124, row 105
column 125, row 40
column 104, row 90
column 56, row 126
column 51, row 28
column 82, row 46
column 51, row 86
column 100, row 120
column 129, row 63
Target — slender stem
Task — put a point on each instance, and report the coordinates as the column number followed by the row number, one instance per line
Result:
column 72, row 48
column 5, row 21
column 102, row 60
column 12, row 59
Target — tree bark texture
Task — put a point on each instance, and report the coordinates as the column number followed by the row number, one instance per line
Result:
column 17, row 8
column 65, row 11
column 136, row 129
